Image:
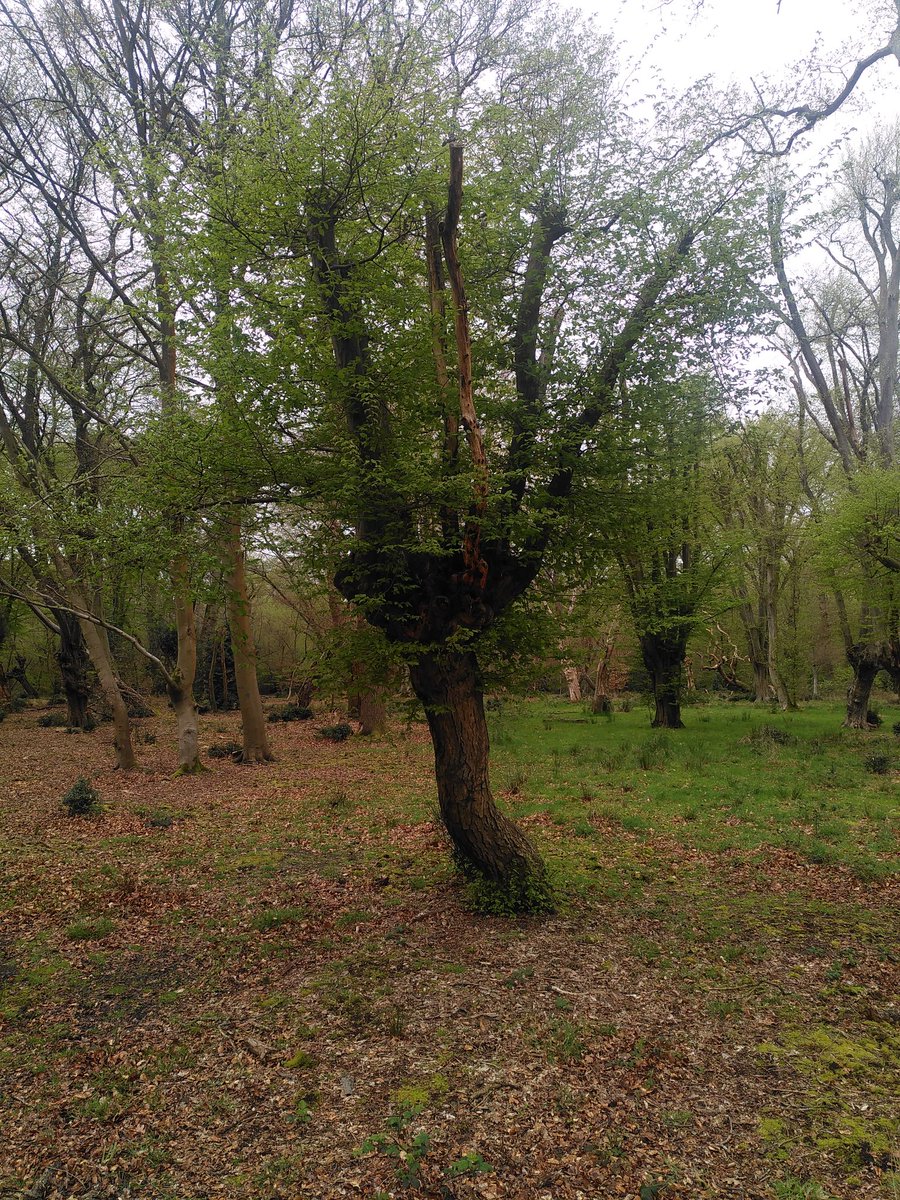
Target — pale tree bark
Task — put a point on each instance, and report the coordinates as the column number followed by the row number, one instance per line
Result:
column 573, row 684
column 784, row 699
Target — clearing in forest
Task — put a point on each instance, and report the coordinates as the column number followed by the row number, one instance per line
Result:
column 266, row 982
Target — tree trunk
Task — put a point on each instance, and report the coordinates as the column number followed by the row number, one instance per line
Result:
column 757, row 649
column 180, row 687
column 486, row 841
column 372, row 711
column 785, row 701
column 243, row 647
column 664, row 659
column 573, row 684
column 760, row 682
column 866, row 663
column 97, row 643
column 188, row 730
column 73, row 660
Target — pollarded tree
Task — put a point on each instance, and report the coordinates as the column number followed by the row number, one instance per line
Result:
column 64, row 368
column 843, row 345
column 448, row 350
column 764, row 510
column 663, row 532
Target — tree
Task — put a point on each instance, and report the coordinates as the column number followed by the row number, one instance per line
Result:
column 661, row 539
column 451, row 369
column 763, row 511
column 843, row 356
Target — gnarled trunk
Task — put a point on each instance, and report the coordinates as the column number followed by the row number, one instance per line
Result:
column 73, row 659
column 573, row 683
column 97, row 641
column 664, row 659
column 757, row 649
column 866, row 661
column 255, row 739
column 449, row 687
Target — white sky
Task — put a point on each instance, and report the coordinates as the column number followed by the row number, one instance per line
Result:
column 743, row 40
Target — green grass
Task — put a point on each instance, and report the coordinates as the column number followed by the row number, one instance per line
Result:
column 736, row 777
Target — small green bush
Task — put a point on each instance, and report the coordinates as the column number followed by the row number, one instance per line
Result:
column 291, row 712
column 513, row 897
column 81, row 799
column 878, row 764
column 335, row 733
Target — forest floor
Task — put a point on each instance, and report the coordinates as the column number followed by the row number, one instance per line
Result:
column 266, row 982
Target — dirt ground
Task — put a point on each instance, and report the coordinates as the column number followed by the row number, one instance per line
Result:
column 265, row 982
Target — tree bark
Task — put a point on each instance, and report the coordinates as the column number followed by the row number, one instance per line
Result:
column 73, row 660
column 573, row 684
column 866, row 661
column 372, row 711
column 255, row 739
column 486, row 841
column 664, row 659
column 97, row 643
column 180, row 685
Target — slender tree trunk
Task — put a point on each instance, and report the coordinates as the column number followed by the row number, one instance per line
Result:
column 243, row 647
column 664, row 659
column 180, row 686
column 73, row 660
column 785, row 702
column 449, row 687
column 97, row 643
column 865, row 659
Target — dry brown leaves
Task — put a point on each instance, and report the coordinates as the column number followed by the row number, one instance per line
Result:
column 224, row 985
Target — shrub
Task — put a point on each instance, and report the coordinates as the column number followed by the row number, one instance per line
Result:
column 771, row 734
column 878, row 764
column 873, row 718
column 291, row 712
column 81, row 799
column 53, row 720
column 225, row 750
column 335, row 733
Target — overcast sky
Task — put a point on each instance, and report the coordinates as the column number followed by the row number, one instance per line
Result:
column 743, row 40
